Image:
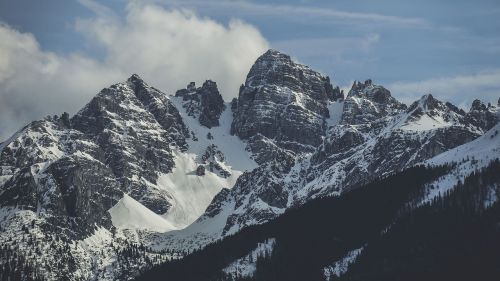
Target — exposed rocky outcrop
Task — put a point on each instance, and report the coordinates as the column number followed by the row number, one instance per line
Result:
column 59, row 170
column 367, row 102
column 282, row 104
column 135, row 125
column 213, row 159
column 204, row 103
column 377, row 135
column 482, row 115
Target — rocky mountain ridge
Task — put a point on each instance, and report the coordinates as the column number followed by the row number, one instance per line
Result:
column 199, row 168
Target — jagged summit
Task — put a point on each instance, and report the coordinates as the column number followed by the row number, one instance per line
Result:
column 428, row 102
column 478, row 105
column 282, row 107
column 204, row 103
column 134, row 78
column 482, row 115
column 274, row 53
column 277, row 68
column 135, row 124
column 367, row 102
column 429, row 113
column 136, row 83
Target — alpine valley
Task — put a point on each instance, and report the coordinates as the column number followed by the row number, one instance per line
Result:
column 293, row 180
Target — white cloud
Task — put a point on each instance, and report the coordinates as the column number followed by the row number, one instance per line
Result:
column 34, row 83
column 461, row 89
column 168, row 48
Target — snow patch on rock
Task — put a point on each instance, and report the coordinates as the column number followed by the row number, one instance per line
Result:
column 340, row 267
column 130, row 214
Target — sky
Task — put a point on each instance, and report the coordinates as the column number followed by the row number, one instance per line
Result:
column 55, row 55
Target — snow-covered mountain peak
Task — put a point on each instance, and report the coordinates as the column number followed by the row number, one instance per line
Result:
column 135, row 78
column 429, row 113
column 428, row 102
column 367, row 102
column 282, row 108
column 381, row 137
column 178, row 172
column 482, row 115
column 479, row 105
column 277, row 69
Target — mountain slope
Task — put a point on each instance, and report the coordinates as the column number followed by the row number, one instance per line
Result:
column 138, row 177
column 124, row 166
column 385, row 218
column 307, row 237
column 374, row 136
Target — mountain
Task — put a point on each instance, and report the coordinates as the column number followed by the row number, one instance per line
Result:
column 372, row 136
column 124, row 164
column 416, row 224
column 138, row 177
column 282, row 107
column 376, row 232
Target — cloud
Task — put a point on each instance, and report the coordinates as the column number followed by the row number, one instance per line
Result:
column 461, row 89
column 173, row 47
column 301, row 13
column 168, row 48
column 34, row 83
column 335, row 47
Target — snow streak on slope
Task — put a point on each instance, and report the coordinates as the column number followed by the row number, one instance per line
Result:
column 340, row 267
column 427, row 122
column 468, row 158
column 246, row 266
column 233, row 148
column 130, row 214
column 335, row 110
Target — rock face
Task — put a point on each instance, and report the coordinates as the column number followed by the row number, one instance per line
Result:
column 74, row 170
column 213, row 158
column 482, row 116
column 204, row 103
column 282, row 106
column 376, row 135
column 48, row 167
column 135, row 125
column 367, row 102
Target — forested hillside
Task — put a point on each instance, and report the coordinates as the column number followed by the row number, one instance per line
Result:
column 310, row 237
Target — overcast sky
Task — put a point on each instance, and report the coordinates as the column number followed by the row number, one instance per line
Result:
column 56, row 54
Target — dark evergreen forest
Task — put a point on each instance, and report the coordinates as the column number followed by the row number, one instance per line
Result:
column 455, row 237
